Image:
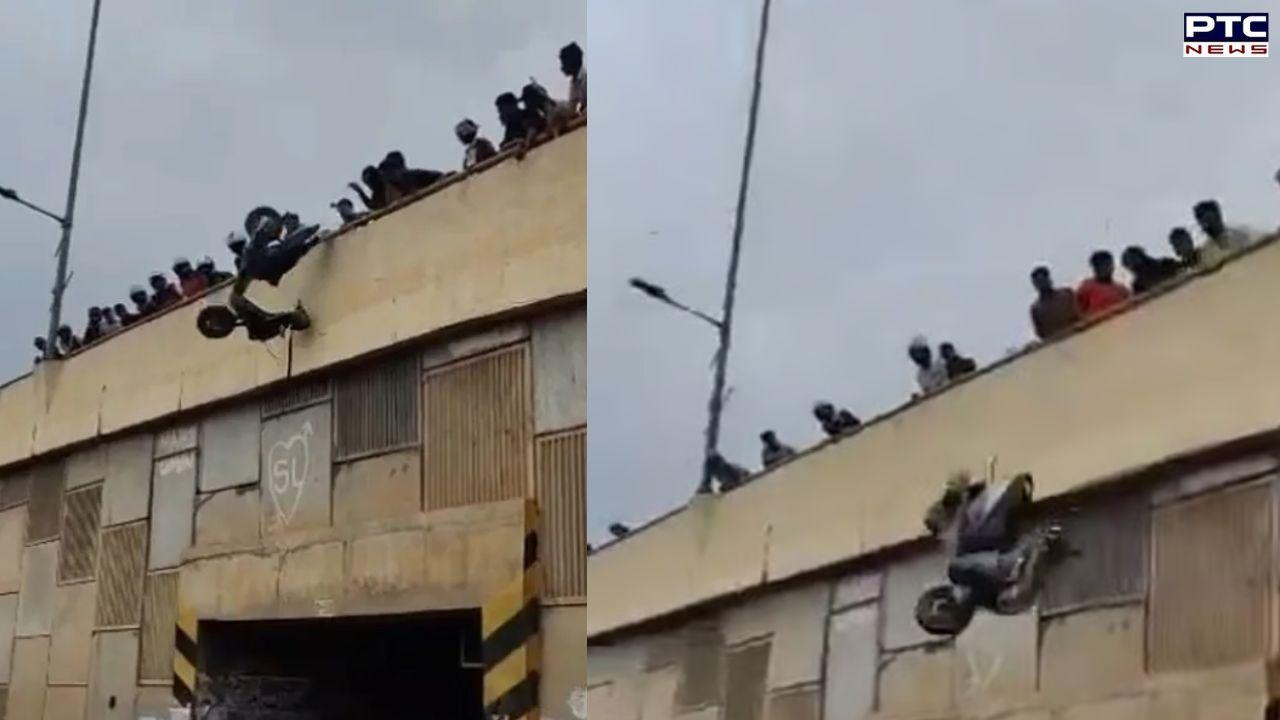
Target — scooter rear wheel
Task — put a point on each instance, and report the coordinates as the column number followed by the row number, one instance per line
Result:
column 216, row 321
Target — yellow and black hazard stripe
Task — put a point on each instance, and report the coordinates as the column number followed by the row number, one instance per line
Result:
column 512, row 632
column 184, row 657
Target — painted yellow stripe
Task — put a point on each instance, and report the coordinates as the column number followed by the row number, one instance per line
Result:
column 502, row 606
column 189, row 623
column 185, row 671
column 508, row 673
column 533, row 582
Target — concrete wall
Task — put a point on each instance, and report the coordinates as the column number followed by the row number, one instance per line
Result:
column 846, row 646
column 1195, row 360
column 436, row 256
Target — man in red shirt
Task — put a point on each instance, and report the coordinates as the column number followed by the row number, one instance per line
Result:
column 1100, row 293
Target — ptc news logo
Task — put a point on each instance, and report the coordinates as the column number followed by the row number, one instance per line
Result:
column 1239, row 35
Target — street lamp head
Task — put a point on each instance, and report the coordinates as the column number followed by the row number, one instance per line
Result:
column 648, row 288
column 8, row 193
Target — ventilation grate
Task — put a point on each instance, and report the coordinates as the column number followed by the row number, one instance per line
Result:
column 80, row 520
column 562, row 496
column 121, row 570
column 376, row 409
column 159, row 617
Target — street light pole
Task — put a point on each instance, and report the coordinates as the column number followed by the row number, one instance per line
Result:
column 716, row 406
column 64, row 244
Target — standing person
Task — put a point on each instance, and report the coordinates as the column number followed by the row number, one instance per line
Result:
column 40, row 345
column 401, row 180
column 773, row 451
column 93, row 328
column 834, row 423
column 163, row 293
column 478, row 148
column 1054, row 311
column 67, row 341
column 346, row 210
column 957, row 365
column 376, row 198
column 1184, row 249
column 556, row 112
column 1101, row 292
column 520, row 125
column 1220, row 240
column 123, row 315
column 191, row 282
column 931, row 374
column 1147, row 272
column 236, row 244
column 571, row 64
column 110, row 324
column 212, row 275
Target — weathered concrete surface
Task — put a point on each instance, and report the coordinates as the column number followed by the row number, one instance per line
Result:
column 866, row 493
column 852, row 662
column 27, row 689
column 796, row 620
column 608, row 701
column 230, row 587
column 996, row 662
column 378, row 488
column 13, row 532
column 65, row 703
column 72, row 634
column 173, row 510
column 155, row 702
column 389, row 563
column 8, row 629
column 564, row 671
column 613, row 680
column 177, row 438
column 858, row 587
column 918, row 682
column 560, row 370
column 659, row 697
column 112, row 688
column 471, row 344
column 35, row 600
column 904, row 581
column 126, row 495
column 794, row 704
column 312, row 577
column 229, row 448
column 1092, row 654
column 229, row 516
column 87, row 466
column 296, row 472
column 1123, row 708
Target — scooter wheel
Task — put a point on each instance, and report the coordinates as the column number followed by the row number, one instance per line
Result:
column 939, row 612
column 216, row 321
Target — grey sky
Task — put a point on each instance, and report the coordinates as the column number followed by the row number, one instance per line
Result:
column 914, row 161
column 201, row 110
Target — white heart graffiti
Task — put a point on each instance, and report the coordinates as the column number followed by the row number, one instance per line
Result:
column 289, row 464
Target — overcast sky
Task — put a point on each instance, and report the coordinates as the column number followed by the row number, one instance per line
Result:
column 914, row 161
column 202, row 110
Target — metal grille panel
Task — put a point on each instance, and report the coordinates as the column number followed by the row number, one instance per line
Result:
column 478, row 430
column 44, row 513
column 1111, row 535
column 562, row 496
column 377, row 408
column 121, row 571
column 1210, row 578
column 80, row 519
column 745, row 679
column 15, row 489
column 295, row 397
column 159, row 617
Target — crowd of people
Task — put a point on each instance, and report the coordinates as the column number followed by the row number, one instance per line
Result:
column 1056, row 311
column 524, row 118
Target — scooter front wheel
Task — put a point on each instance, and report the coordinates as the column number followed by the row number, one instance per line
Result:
column 939, row 611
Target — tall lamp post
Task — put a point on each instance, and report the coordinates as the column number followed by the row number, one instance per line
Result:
column 66, row 219
column 724, row 324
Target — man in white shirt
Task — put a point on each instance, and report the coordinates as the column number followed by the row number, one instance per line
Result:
column 571, row 64
column 1220, row 239
column 931, row 373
